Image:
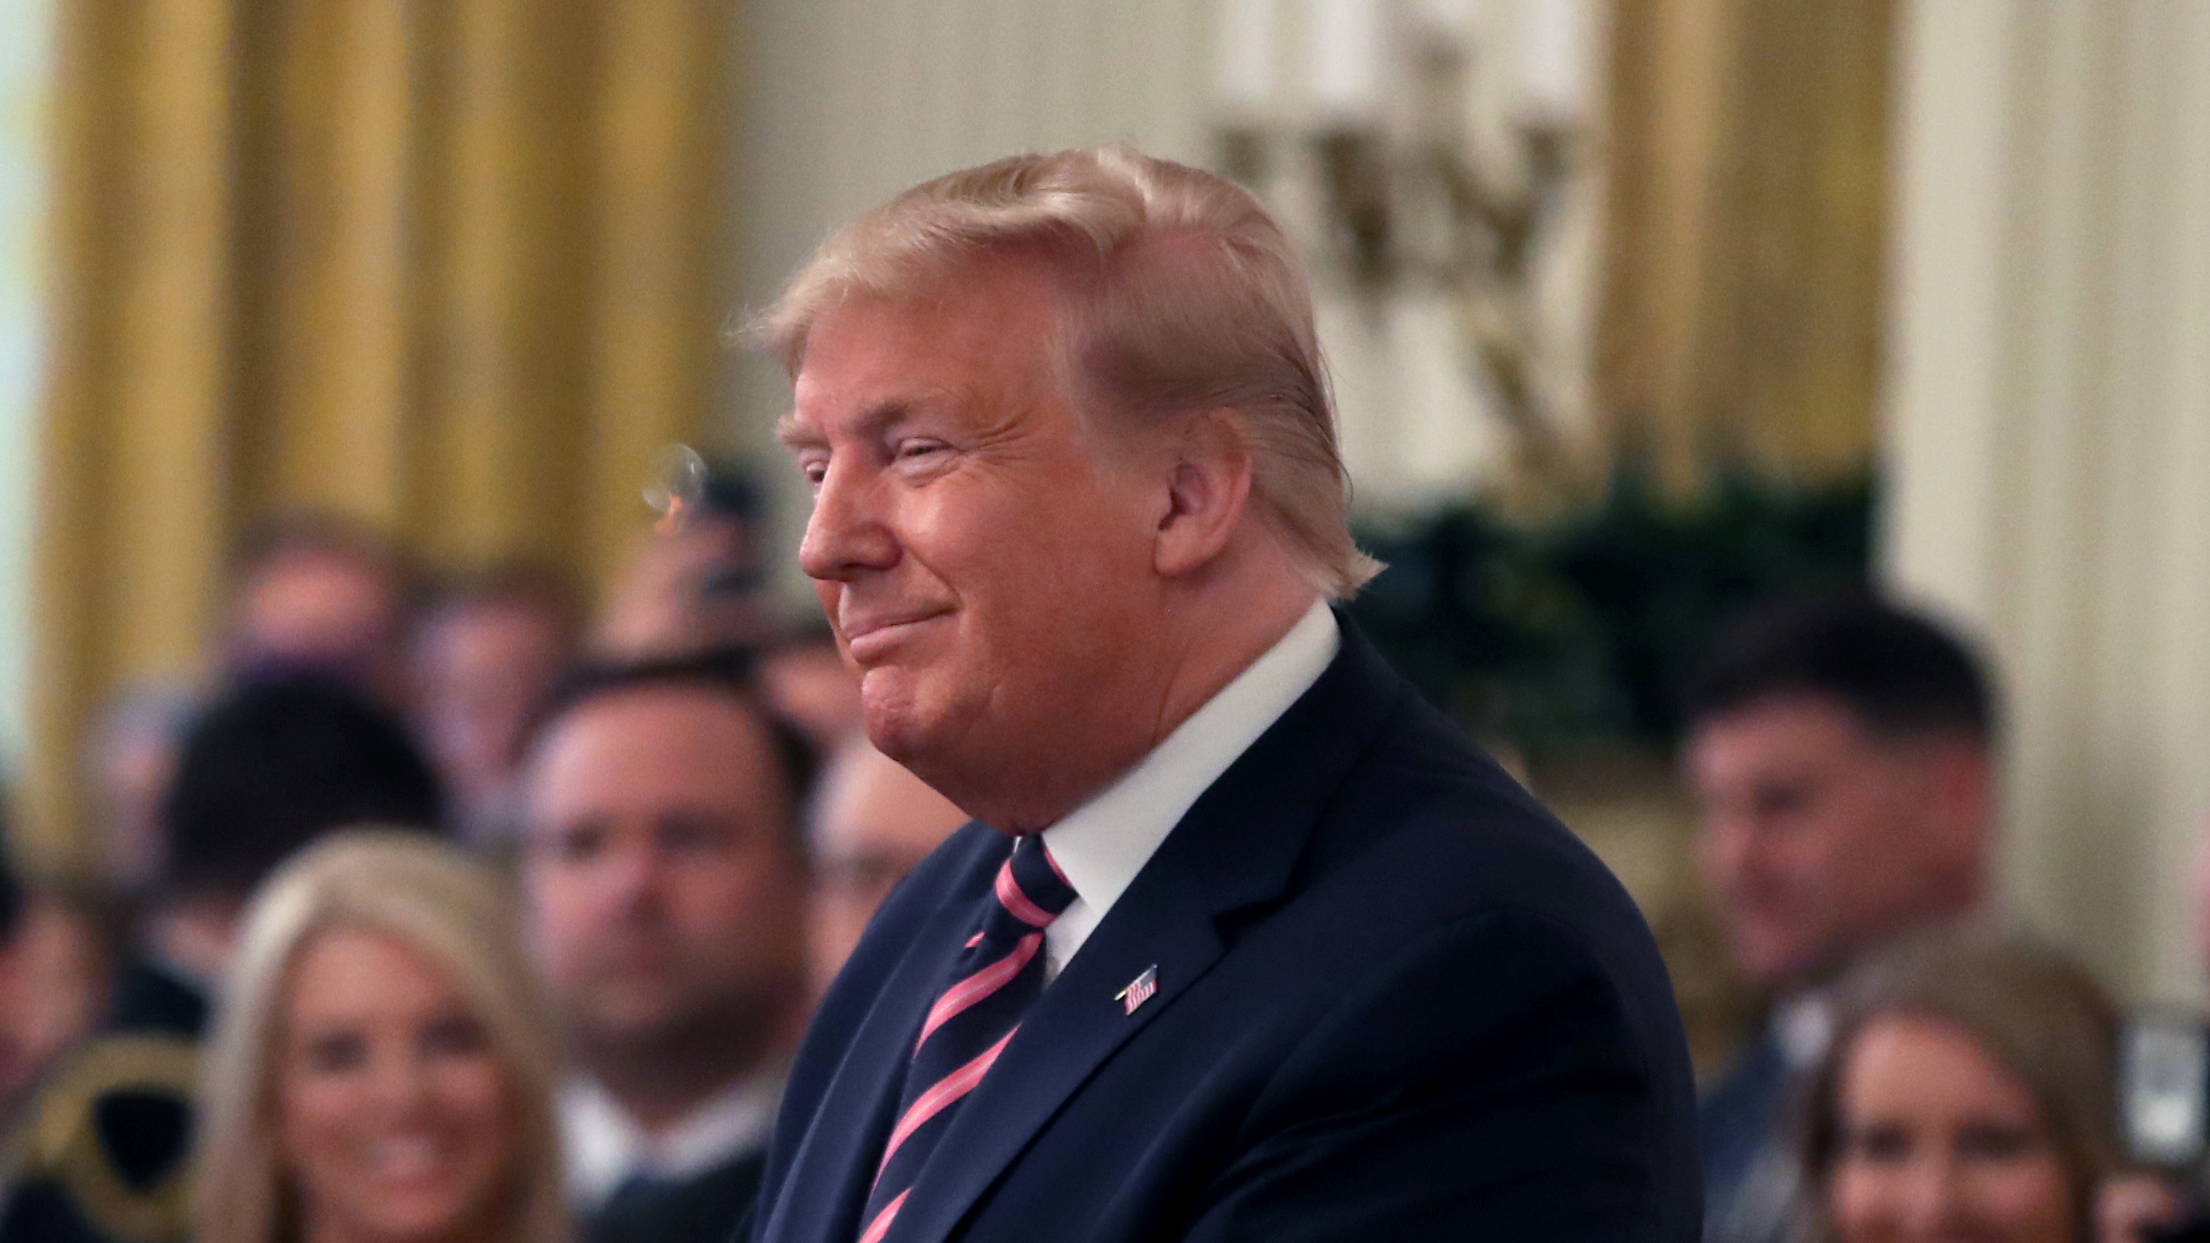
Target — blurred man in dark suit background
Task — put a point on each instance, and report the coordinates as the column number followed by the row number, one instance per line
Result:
column 666, row 884
column 1841, row 750
column 1272, row 953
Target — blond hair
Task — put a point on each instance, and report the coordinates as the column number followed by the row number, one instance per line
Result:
column 441, row 904
column 1185, row 296
column 2032, row 1010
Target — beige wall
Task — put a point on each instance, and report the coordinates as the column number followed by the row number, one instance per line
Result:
column 2047, row 434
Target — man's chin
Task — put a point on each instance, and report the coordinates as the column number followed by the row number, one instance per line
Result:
column 1771, row 963
column 897, row 724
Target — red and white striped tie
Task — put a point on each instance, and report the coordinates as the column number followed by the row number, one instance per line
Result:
column 999, row 975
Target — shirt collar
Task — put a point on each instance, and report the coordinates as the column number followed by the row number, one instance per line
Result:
column 606, row 1147
column 1101, row 845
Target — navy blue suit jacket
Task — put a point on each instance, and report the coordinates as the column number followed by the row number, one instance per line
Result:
column 1395, row 1001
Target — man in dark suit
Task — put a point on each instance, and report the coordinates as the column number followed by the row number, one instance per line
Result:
column 666, row 882
column 1840, row 746
column 1271, row 953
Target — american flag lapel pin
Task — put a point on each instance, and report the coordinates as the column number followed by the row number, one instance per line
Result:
column 1139, row 990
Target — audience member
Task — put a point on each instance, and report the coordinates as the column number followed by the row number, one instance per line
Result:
column 263, row 771
column 54, row 963
column 383, row 1071
column 1969, row 1094
column 485, row 654
column 872, row 822
column 319, row 593
column 1841, row 750
column 129, row 758
column 696, row 583
column 666, row 886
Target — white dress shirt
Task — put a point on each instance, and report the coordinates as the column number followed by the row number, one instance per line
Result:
column 605, row 1147
column 1101, row 845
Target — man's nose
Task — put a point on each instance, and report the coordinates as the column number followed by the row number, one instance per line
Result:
column 848, row 533
column 1933, row 1200
column 630, row 877
column 1723, row 850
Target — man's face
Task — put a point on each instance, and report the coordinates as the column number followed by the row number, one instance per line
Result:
column 324, row 609
column 665, row 890
column 482, row 671
column 1820, row 837
column 983, row 551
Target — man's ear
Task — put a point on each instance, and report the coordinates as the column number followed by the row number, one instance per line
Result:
column 1208, row 486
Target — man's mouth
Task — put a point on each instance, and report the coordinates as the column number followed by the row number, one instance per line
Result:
column 871, row 636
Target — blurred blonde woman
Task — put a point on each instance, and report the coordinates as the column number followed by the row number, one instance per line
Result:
column 383, row 1069
column 1970, row 1093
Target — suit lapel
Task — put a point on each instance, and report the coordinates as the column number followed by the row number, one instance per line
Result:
column 834, row 1167
column 1074, row 1028
column 1236, row 849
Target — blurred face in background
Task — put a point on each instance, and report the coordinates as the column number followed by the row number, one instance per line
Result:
column 397, row 1122
column 482, row 669
column 873, row 822
column 52, row 992
column 666, row 886
column 321, row 608
column 1822, row 838
column 1941, row 1143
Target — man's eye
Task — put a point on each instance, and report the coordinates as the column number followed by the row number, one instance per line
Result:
column 1879, row 1145
column 337, row 1053
column 814, row 472
column 913, row 450
column 577, row 845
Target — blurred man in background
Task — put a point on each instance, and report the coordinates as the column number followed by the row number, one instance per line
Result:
column 1841, row 749
column 316, row 592
column 265, row 770
column 129, row 758
column 666, row 887
column 54, row 964
column 872, row 822
column 485, row 654
column 53, row 967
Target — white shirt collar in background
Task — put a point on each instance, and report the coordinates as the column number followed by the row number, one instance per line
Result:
column 605, row 1147
column 1101, row 845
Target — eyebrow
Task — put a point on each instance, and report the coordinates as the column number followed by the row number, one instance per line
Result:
column 792, row 434
column 873, row 422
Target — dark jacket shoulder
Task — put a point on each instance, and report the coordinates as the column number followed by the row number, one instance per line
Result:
column 692, row 1210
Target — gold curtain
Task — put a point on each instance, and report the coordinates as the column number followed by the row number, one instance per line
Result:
column 452, row 267
column 1747, row 201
